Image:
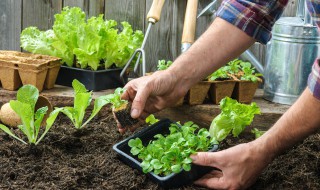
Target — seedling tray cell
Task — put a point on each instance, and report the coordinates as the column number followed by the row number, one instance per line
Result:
column 170, row 181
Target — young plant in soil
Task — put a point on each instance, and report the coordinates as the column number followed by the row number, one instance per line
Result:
column 24, row 106
column 163, row 65
column 236, row 70
column 151, row 119
column 234, row 117
column 82, row 100
column 121, row 108
column 171, row 153
column 257, row 133
column 248, row 73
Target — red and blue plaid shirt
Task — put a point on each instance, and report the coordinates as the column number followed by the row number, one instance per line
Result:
column 256, row 18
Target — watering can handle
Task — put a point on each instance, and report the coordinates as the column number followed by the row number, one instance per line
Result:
column 189, row 27
column 155, row 11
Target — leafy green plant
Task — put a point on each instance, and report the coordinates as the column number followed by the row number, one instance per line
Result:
column 82, row 100
column 24, row 106
column 234, row 117
column 248, row 72
column 94, row 42
column 257, row 133
column 237, row 70
column 171, row 153
column 115, row 98
column 221, row 74
column 163, row 65
column 151, row 119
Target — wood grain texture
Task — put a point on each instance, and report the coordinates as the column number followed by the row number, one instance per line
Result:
column 40, row 13
column 83, row 4
column 164, row 40
column 132, row 11
column 10, row 24
column 96, row 7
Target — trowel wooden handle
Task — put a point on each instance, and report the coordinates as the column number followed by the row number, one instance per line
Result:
column 189, row 26
column 155, row 11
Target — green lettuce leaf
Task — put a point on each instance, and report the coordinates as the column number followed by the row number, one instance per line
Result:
column 234, row 117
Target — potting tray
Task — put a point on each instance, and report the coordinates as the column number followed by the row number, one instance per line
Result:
column 173, row 180
column 93, row 80
column 17, row 69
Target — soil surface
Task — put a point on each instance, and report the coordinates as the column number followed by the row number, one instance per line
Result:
column 84, row 159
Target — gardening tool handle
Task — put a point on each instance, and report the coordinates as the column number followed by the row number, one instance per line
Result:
column 155, row 11
column 189, row 27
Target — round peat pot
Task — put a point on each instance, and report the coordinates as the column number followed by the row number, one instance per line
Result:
column 290, row 55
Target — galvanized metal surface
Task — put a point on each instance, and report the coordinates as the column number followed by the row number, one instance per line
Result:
column 291, row 53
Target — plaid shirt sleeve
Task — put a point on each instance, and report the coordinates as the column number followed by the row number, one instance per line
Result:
column 314, row 77
column 254, row 17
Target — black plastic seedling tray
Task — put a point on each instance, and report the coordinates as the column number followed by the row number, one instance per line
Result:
column 170, row 181
column 93, row 80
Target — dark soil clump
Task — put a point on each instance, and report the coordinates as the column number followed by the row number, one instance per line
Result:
column 71, row 159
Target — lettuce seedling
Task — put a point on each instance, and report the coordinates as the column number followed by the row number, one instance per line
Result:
column 163, row 65
column 171, row 153
column 121, row 108
column 249, row 72
column 257, row 133
column 31, row 119
column 82, row 100
column 151, row 119
column 234, row 117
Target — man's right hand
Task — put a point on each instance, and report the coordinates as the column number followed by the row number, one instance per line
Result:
column 153, row 93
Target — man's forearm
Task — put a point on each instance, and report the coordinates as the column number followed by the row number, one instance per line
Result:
column 221, row 43
column 301, row 120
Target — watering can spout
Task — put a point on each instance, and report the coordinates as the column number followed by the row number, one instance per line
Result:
column 248, row 56
column 209, row 10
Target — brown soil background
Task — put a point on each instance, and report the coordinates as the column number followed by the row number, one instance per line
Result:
column 71, row 159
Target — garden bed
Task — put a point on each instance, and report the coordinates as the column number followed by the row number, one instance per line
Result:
column 70, row 159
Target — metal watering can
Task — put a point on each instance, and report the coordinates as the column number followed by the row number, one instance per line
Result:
column 294, row 46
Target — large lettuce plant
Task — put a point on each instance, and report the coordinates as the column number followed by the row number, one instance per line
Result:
column 95, row 42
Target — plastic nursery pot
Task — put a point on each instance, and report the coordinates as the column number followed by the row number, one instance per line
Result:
column 220, row 89
column 244, row 91
column 93, row 80
column 198, row 92
column 173, row 180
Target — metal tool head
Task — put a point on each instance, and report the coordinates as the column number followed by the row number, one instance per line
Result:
column 209, row 10
column 140, row 53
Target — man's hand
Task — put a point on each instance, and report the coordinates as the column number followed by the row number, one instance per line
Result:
column 152, row 93
column 238, row 167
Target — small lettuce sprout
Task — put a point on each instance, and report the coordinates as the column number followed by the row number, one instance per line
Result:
column 82, row 100
column 163, row 65
column 151, row 119
column 171, row 153
column 24, row 106
column 257, row 133
column 115, row 98
column 121, row 108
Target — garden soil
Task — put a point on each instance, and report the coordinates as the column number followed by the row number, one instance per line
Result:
column 84, row 159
